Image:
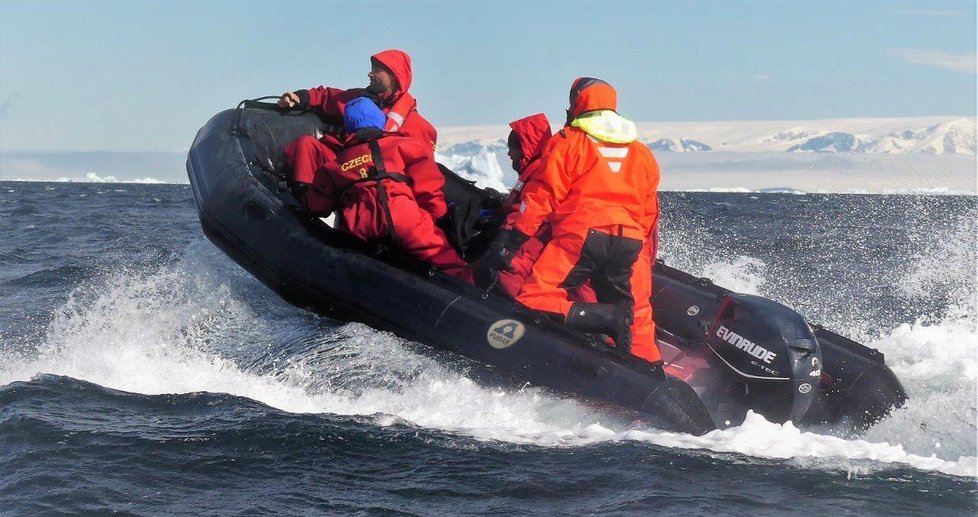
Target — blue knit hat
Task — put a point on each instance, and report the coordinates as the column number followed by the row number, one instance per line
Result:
column 362, row 113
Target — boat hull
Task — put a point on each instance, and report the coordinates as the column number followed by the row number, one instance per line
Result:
column 235, row 169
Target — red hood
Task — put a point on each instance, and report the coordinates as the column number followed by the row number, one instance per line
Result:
column 534, row 132
column 590, row 94
column 399, row 64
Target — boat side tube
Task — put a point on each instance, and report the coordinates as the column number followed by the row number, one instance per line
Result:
column 860, row 389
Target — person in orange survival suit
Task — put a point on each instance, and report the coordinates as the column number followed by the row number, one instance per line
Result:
column 387, row 187
column 390, row 78
column 597, row 189
column 526, row 142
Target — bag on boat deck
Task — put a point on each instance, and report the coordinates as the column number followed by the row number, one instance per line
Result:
column 474, row 215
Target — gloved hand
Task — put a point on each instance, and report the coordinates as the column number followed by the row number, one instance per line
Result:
column 497, row 257
column 504, row 248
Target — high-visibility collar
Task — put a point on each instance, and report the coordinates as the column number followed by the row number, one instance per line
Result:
column 607, row 126
column 399, row 111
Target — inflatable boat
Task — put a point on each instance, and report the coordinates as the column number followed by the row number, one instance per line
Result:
column 725, row 353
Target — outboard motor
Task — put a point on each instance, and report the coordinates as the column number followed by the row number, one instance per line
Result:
column 771, row 350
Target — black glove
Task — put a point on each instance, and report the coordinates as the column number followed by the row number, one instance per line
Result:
column 497, row 257
column 504, row 248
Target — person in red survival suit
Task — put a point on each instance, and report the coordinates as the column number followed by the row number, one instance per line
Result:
column 526, row 142
column 390, row 78
column 387, row 187
column 597, row 189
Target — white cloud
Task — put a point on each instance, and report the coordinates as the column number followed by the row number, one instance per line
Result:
column 928, row 12
column 965, row 62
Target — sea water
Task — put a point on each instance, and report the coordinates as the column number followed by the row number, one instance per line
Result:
column 142, row 371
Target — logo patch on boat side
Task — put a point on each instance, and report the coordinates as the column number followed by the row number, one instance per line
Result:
column 505, row 333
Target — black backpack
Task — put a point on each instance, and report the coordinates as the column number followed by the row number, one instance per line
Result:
column 474, row 215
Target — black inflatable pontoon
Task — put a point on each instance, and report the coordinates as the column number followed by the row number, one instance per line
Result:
column 726, row 353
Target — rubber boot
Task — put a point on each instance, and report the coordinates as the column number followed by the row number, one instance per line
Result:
column 612, row 319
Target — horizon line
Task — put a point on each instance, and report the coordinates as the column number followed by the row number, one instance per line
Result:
column 935, row 191
column 449, row 129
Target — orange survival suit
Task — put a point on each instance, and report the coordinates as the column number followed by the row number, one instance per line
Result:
column 388, row 188
column 306, row 153
column 597, row 189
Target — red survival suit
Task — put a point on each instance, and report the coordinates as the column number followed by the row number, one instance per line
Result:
column 597, row 189
column 387, row 188
column 533, row 133
column 306, row 154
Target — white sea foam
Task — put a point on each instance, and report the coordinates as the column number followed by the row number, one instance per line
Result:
column 759, row 438
column 945, row 266
column 936, row 356
column 140, row 333
column 180, row 329
column 743, row 274
column 91, row 177
column 154, row 333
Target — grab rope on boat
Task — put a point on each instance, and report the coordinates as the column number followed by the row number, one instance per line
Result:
column 251, row 104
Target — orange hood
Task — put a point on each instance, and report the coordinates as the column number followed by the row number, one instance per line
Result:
column 590, row 94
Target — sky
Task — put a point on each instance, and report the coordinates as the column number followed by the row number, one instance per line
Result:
column 145, row 75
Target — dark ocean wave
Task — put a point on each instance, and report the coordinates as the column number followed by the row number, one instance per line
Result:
column 68, row 273
column 72, row 446
column 16, row 256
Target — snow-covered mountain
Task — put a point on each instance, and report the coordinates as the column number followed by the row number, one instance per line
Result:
column 927, row 135
column 926, row 154
column 923, row 154
column 948, row 137
column 682, row 146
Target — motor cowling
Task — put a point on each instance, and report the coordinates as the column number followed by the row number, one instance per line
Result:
column 771, row 350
